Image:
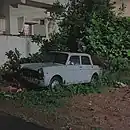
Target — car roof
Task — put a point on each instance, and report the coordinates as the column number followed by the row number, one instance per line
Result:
column 71, row 53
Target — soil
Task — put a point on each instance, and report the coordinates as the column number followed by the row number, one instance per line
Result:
column 107, row 111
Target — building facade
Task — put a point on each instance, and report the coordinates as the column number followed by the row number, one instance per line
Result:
column 27, row 17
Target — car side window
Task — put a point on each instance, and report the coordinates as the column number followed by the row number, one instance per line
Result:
column 85, row 60
column 74, row 60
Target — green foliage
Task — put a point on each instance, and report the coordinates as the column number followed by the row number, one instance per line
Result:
column 13, row 62
column 45, row 99
column 53, row 45
column 78, row 18
column 83, row 89
column 94, row 23
column 33, row 58
column 109, row 39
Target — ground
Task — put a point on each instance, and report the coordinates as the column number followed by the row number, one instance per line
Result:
column 107, row 111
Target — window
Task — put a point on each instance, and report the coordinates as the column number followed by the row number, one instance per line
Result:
column 85, row 60
column 74, row 60
column 21, row 21
column 56, row 57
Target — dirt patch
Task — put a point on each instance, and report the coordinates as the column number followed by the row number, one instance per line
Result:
column 108, row 111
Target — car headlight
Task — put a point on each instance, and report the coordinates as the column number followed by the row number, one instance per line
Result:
column 41, row 73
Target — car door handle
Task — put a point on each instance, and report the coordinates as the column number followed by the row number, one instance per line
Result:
column 80, row 67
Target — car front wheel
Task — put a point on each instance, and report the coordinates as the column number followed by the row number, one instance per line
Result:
column 55, row 84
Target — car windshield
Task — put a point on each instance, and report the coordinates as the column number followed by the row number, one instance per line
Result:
column 56, row 57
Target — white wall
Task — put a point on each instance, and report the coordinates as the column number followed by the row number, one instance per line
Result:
column 39, row 29
column 11, row 42
column 30, row 14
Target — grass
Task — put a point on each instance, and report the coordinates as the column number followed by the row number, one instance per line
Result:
column 48, row 101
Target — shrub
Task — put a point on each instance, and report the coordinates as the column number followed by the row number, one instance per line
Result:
column 13, row 62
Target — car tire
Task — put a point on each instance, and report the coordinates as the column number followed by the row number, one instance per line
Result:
column 94, row 79
column 55, row 84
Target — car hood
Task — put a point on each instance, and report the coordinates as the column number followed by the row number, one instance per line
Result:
column 36, row 66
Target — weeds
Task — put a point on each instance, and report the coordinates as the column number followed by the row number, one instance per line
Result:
column 48, row 100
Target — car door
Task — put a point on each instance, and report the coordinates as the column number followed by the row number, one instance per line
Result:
column 86, row 69
column 73, row 70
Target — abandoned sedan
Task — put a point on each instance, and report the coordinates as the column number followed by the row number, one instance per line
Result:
column 61, row 68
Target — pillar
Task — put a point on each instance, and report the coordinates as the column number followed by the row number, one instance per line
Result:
column 28, row 46
column 46, row 28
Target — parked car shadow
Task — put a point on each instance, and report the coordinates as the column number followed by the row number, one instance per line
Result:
column 8, row 122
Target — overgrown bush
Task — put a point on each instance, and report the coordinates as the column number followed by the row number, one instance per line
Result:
column 109, row 39
column 10, row 69
column 46, row 99
column 94, row 23
column 13, row 62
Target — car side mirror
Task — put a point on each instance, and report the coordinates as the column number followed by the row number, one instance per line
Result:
column 70, row 63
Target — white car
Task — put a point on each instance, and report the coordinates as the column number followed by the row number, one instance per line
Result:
column 61, row 68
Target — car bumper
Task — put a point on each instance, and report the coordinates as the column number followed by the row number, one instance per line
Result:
column 33, row 82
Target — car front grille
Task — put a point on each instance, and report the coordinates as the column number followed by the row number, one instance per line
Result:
column 30, row 75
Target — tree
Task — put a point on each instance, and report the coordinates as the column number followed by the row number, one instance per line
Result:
column 76, row 18
column 94, row 23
